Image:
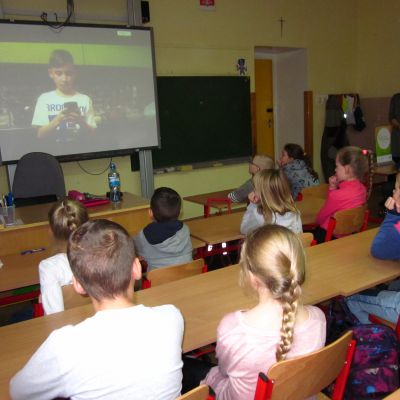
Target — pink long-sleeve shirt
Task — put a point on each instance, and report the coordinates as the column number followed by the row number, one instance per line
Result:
column 243, row 351
column 350, row 194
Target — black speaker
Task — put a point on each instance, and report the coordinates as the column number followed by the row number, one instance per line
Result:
column 145, row 12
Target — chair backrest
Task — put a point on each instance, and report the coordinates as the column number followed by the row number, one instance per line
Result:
column 307, row 238
column 159, row 276
column 346, row 222
column 318, row 191
column 305, row 376
column 381, row 321
column 202, row 392
column 37, row 175
column 73, row 299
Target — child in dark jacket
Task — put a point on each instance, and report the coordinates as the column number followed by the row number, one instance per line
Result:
column 386, row 244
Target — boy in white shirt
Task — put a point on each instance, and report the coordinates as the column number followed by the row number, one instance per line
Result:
column 124, row 351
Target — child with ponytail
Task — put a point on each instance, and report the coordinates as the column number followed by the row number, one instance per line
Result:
column 55, row 272
column 297, row 168
column 278, row 327
column 350, row 187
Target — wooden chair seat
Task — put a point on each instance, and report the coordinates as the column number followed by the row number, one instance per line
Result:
column 202, row 392
column 73, row 299
column 303, row 377
column 307, row 239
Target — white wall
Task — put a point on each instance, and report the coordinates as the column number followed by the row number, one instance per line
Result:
column 290, row 69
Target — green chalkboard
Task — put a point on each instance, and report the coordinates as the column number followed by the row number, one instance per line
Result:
column 203, row 119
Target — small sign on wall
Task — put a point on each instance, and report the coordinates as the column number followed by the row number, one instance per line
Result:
column 382, row 144
column 207, row 4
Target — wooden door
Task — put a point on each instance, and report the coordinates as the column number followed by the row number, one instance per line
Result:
column 264, row 108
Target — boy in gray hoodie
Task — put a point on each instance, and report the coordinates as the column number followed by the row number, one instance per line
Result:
column 165, row 241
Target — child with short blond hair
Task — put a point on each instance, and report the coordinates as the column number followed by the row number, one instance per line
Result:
column 258, row 163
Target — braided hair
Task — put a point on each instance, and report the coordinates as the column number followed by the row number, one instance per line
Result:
column 275, row 255
column 65, row 217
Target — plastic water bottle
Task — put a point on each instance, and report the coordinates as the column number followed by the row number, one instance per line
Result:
column 114, row 183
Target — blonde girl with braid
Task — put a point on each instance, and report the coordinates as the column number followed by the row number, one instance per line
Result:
column 278, row 327
column 55, row 272
column 271, row 203
column 350, row 187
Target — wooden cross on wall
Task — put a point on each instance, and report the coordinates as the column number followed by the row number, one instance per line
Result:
column 281, row 20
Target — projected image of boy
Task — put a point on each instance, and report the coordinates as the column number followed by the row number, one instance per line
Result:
column 63, row 109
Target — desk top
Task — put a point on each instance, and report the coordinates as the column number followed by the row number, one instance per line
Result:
column 342, row 266
column 386, row 170
column 217, row 229
column 38, row 214
column 33, row 232
column 394, row 396
column 226, row 227
column 202, row 198
column 21, row 270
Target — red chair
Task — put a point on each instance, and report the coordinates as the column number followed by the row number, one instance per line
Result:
column 378, row 320
column 346, row 222
column 219, row 203
column 305, row 376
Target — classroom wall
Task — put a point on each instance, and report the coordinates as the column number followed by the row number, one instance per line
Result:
column 378, row 48
column 190, row 41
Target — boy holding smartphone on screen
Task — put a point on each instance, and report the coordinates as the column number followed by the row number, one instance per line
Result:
column 63, row 109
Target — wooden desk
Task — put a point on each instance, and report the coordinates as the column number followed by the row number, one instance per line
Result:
column 33, row 233
column 197, row 243
column 342, row 266
column 347, row 264
column 309, row 208
column 394, row 396
column 201, row 199
column 20, row 271
column 217, row 229
column 226, row 227
column 385, row 170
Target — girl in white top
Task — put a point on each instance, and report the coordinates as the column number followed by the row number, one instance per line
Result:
column 271, row 203
column 55, row 272
column 279, row 327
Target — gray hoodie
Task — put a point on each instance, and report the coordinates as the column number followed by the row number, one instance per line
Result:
column 177, row 249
